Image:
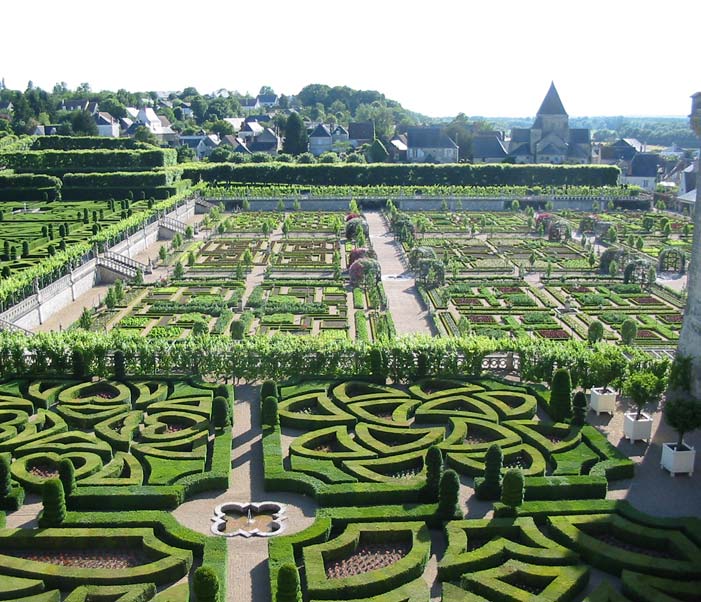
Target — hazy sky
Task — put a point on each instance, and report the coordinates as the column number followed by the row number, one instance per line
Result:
column 439, row 57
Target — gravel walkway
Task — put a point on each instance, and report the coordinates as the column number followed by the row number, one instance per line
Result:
column 408, row 313
column 248, row 579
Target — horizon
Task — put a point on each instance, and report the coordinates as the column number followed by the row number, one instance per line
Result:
column 418, row 63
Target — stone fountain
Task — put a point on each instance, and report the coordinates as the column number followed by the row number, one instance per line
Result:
column 248, row 519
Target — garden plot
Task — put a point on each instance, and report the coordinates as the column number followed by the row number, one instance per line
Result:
column 557, row 311
column 464, row 255
column 539, row 254
column 658, row 315
column 119, row 436
column 352, row 436
column 174, row 312
column 308, row 222
column 253, row 221
column 297, row 307
column 141, row 445
column 461, row 222
column 226, row 254
column 305, row 255
column 33, row 231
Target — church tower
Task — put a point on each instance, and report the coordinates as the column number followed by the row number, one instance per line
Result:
column 552, row 117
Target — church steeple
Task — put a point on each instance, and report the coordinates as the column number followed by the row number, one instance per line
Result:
column 552, row 105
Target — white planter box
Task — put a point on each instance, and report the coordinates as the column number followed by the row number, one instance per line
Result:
column 678, row 461
column 636, row 430
column 603, row 400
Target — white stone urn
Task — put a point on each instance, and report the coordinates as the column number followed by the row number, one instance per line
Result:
column 677, row 459
column 636, row 430
column 603, row 400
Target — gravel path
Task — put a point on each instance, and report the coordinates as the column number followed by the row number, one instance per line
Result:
column 407, row 310
column 248, row 579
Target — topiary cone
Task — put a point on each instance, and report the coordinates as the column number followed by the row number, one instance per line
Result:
column 205, row 585
column 54, row 502
column 288, row 589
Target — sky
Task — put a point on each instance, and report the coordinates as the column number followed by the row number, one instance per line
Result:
column 483, row 58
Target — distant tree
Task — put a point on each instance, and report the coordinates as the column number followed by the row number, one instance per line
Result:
column 83, row 124
column 377, row 152
column 143, row 134
column 221, row 127
column 296, row 140
column 186, row 153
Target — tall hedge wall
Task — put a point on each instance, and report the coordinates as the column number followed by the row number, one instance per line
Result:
column 67, row 143
column 138, row 179
column 407, row 174
column 28, row 187
column 57, row 162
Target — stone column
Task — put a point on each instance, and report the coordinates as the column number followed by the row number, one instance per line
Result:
column 690, row 336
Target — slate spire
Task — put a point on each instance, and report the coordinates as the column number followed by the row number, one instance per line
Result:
column 552, row 105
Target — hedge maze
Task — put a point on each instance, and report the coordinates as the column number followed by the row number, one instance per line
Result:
column 137, row 449
column 362, row 450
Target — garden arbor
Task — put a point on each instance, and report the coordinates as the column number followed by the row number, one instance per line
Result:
column 672, row 260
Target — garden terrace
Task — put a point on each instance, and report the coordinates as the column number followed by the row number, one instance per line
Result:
column 147, row 438
column 354, row 442
column 221, row 255
column 303, row 309
column 312, row 257
column 502, row 307
column 252, row 221
column 171, row 312
column 99, row 224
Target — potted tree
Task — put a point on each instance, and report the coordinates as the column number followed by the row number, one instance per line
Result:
column 683, row 415
column 603, row 370
column 642, row 388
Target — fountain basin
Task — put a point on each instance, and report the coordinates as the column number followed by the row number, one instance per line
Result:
column 248, row 519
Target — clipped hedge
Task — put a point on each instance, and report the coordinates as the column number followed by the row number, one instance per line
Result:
column 376, row 582
column 505, row 538
column 406, row 174
column 57, row 162
column 173, row 563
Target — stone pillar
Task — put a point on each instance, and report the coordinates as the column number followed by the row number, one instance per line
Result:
column 690, row 336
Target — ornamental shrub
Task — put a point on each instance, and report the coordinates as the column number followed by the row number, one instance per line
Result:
column 120, row 368
column 356, row 225
column 378, row 365
column 579, row 408
column 643, row 388
column 512, row 488
column 365, row 271
column 237, row 330
column 448, row 495
column 490, row 487
column 683, row 415
column 78, row 362
column 220, row 412
column 5, row 475
column 205, row 585
column 269, row 415
column 66, row 473
column 288, row 589
column 268, row 389
column 629, row 330
column 54, row 502
column 434, row 472
column 561, row 396
column 595, row 332
column 221, row 391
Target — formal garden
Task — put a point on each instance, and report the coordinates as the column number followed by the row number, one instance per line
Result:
column 469, row 463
